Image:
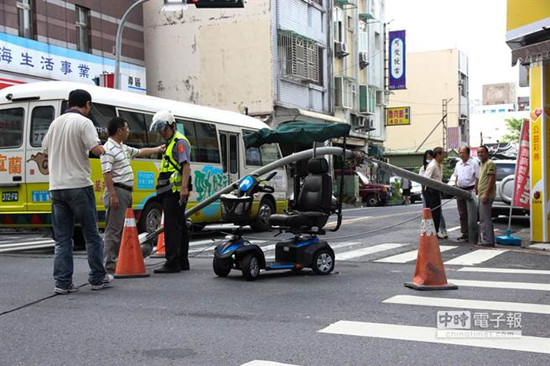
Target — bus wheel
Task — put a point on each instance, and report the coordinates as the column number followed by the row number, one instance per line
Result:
column 150, row 217
column 261, row 222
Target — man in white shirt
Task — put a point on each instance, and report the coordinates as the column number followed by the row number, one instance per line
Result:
column 433, row 196
column 466, row 175
column 67, row 143
column 119, row 183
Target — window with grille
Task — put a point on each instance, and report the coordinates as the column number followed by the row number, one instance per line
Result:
column 299, row 58
column 24, row 14
column 82, row 29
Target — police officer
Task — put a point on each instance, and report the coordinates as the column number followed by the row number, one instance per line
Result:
column 173, row 187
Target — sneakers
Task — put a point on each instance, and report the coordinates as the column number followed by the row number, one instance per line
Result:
column 444, row 234
column 63, row 291
column 106, row 281
column 463, row 237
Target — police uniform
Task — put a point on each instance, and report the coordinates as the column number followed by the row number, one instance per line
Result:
column 169, row 181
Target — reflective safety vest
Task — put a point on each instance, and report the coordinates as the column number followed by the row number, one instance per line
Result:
column 169, row 179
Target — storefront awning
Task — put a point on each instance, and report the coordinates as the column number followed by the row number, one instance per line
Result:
column 535, row 52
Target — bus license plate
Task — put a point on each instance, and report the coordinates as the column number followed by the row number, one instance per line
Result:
column 10, row 196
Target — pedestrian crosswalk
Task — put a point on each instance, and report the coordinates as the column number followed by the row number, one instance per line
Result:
column 396, row 253
column 425, row 329
column 520, row 340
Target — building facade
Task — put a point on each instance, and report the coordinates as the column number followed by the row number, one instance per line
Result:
column 69, row 40
column 359, row 54
column 278, row 60
column 437, row 94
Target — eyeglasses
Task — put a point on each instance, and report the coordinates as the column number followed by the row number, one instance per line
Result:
column 127, row 128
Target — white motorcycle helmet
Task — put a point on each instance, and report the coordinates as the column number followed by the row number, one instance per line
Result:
column 161, row 120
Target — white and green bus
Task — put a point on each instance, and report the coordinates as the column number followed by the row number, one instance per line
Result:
column 218, row 156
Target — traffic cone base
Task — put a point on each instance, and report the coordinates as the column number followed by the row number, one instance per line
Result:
column 160, row 249
column 130, row 262
column 429, row 273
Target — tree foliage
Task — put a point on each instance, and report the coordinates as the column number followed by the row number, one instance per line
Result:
column 514, row 129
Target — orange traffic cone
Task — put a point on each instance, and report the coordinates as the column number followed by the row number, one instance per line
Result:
column 429, row 273
column 130, row 260
column 160, row 251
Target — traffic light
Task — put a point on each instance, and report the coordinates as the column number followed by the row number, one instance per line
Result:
column 217, row 3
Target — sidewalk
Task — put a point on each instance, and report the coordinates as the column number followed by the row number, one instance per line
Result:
column 525, row 236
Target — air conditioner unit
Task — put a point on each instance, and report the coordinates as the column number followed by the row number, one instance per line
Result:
column 340, row 49
column 369, row 122
column 363, row 60
column 360, row 121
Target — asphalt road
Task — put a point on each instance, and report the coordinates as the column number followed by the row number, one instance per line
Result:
column 361, row 314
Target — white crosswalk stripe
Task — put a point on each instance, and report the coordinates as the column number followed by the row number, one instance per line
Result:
column 468, row 304
column 266, row 363
column 504, row 270
column 427, row 334
column 475, row 257
column 410, row 256
column 500, row 284
column 365, row 251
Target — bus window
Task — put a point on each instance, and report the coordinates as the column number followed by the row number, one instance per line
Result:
column 253, row 156
column 223, row 142
column 203, row 140
column 138, row 134
column 100, row 115
column 263, row 155
column 233, row 155
column 41, row 118
column 154, row 138
column 11, row 124
column 269, row 153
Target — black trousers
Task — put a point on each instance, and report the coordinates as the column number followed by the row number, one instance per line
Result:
column 433, row 200
column 176, row 237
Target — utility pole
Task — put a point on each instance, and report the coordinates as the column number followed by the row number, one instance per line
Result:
column 444, row 119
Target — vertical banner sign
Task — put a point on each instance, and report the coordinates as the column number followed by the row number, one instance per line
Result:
column 540, row 116
column 397, row 60
column 521, row 181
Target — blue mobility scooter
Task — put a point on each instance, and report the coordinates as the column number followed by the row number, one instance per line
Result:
column 306, row 220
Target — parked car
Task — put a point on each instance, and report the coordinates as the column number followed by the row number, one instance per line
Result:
column 373, row 194
column 416, row 192
column 505, row 188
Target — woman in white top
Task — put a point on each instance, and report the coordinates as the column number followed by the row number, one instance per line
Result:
column 426, row 159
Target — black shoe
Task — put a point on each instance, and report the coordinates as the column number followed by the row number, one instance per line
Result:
column 164, row 269
column 463, row 237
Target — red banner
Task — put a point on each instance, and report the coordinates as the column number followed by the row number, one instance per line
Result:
column 521, row 182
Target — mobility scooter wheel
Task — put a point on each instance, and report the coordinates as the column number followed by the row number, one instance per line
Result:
column 250, row 267
column 323, row 262
column 222, row 267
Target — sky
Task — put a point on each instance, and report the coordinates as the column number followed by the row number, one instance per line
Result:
column 476, row 27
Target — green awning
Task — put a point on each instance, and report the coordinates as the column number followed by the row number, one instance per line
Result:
column 297, row 132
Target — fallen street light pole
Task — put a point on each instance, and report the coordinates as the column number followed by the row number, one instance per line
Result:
column 469, row 196
column 145, row 238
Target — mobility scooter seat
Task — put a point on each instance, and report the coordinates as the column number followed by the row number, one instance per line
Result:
column 314, row 202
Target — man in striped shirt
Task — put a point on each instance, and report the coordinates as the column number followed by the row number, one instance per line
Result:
column 119, row 183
